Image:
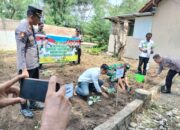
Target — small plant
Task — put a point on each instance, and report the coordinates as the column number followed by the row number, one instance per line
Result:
column 93, row 99
column 94, row 51
column 37, row 126
column 47, row 73
column 111, row 90
column 97, row 50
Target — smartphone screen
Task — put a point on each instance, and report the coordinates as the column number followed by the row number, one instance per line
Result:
column 35, row 89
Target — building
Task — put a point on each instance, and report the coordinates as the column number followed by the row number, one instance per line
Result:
column 162, row 18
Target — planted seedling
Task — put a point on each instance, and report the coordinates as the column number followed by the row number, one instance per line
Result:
column 111, row 90
column 47, row 73
column 93, row 99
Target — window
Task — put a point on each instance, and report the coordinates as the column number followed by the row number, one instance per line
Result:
column 131, row 27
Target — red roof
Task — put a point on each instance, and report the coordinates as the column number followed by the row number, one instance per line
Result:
column 149, row 6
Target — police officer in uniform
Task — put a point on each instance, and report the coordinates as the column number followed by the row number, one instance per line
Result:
column 27, row 52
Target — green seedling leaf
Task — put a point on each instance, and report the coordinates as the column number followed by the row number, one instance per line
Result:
column 91, row 97
column 90, row 102
column 98, row 97
column 111, row 90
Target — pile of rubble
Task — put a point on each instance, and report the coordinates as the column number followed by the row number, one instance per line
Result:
column 157, row 117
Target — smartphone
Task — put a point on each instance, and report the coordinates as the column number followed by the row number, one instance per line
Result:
column 36, row 89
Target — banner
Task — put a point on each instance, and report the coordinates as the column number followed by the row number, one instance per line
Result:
column 53, row 49
column 119, row 72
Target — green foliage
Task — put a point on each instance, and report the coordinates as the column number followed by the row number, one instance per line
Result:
column 93, row 99
column 96, row 50
column 37, row 126
column 59, row 12
column 14, row 9
column 88, row 15
column 127, row 7
column 47, row 73
column 97, row 30
column 111, row 90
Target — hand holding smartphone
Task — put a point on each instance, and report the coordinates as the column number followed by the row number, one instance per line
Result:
column 36, row 89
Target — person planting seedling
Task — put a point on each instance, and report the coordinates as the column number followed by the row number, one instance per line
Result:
column 118, row 78
column 89, row 82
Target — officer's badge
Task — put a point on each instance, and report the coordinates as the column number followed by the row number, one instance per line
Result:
column 32, row 40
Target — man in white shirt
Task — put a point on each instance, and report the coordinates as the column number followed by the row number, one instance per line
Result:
column 89, row 81
column 146, row 48
column 78, row 45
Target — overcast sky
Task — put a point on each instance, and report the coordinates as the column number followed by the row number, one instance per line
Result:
column 115, row 2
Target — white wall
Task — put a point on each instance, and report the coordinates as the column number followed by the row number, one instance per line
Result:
column 7, row 40
column 142, row 26
column 166, row 28
column 131, row 49
column 111, row 43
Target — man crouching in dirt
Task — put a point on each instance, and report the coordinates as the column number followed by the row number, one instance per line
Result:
column 122, row 81
column 57, row 106
column 174, row 68
column 89, row 82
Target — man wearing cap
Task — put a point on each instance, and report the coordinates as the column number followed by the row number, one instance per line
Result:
column 89, row 81
column 27, row 52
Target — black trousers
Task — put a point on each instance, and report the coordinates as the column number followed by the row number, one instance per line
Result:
column 34, row 73
column 169, row 78
column 142, row 61
column 79, row 55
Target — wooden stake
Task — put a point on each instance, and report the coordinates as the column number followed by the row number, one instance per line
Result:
column 117, row 97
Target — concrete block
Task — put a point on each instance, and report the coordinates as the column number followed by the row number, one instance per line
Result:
column 143, row 95
column 156, row 90
column 121, row 120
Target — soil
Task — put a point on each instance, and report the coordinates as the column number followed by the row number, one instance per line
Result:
column 83, row 117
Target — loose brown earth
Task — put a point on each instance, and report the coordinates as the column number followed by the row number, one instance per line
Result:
column 83, row 117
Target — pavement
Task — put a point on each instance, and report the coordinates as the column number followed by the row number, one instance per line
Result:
column 172, row 99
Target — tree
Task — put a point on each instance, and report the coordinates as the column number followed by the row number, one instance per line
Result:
column 97, row 30
column 82, row 9
column 14, row 9
column 59, row 11
column 121, row 27
column 127, row 7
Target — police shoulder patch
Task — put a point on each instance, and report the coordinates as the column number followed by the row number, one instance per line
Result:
column 22, row 34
